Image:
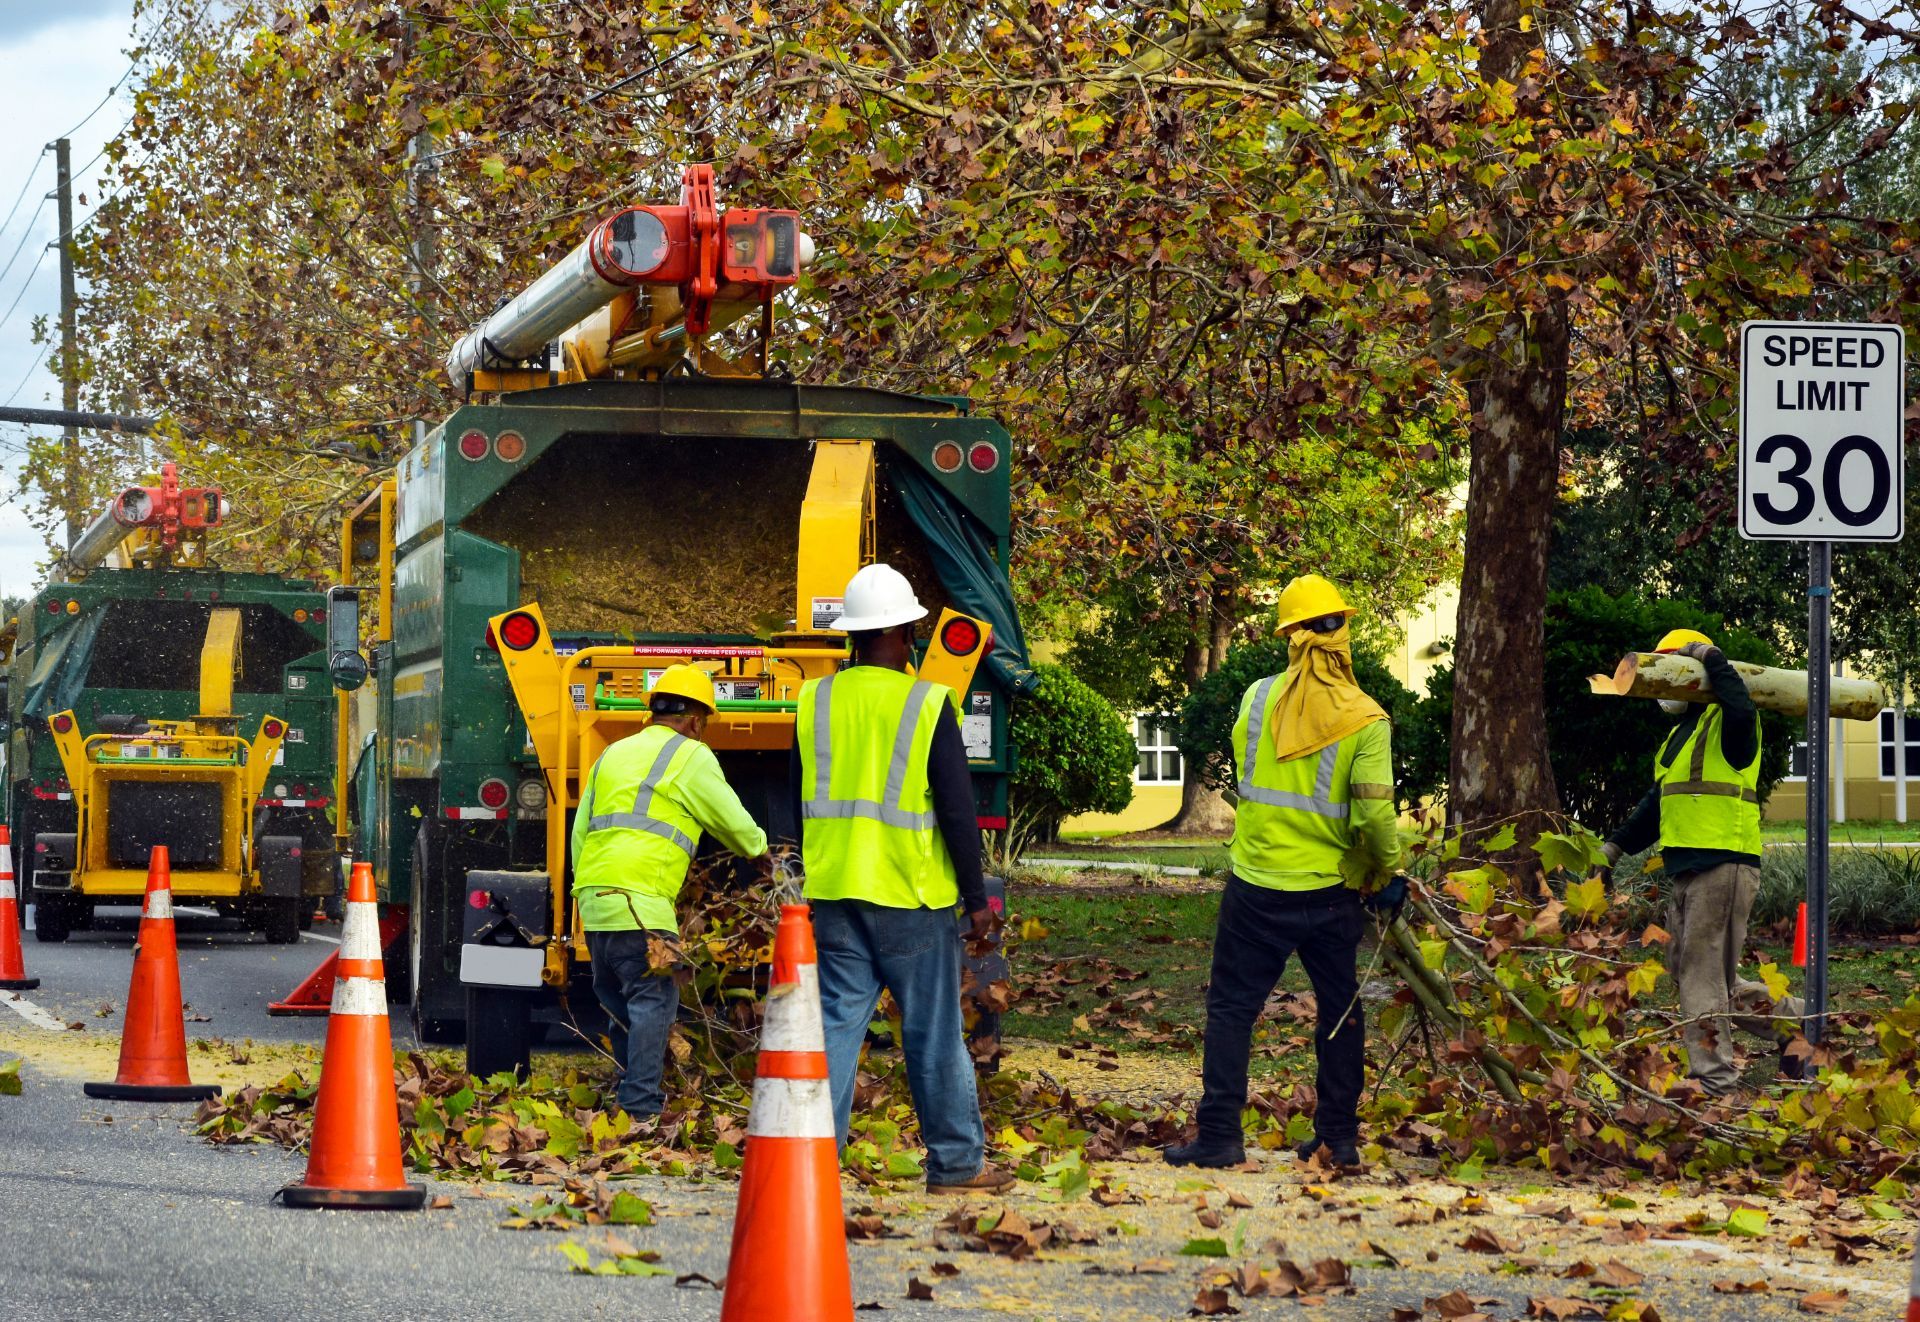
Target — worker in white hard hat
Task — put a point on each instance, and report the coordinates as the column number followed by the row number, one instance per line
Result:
column 1704, row 812
column 643, row 808
column 1314, row 798
column 891, row 844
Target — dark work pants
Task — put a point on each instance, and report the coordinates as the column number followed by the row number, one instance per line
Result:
column 641, row 1005
column 1258, row 929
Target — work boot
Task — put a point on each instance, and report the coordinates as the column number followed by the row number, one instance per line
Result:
column 1213, row 1153
column 1340, row 1152
column 991, row 1179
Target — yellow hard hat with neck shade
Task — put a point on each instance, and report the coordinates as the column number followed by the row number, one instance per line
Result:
column 1309, row 597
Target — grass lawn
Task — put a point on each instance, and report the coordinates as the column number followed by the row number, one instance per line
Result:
column 1208, row 855
column 1863, row 833
column 1122, row 969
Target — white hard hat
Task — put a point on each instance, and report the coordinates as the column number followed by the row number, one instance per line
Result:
column 878, row 597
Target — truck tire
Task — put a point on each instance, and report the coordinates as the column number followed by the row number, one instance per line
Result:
column 499, row 1031
column 280, row 918
column 52, row 920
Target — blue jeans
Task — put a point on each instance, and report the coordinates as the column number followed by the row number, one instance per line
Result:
column 642, row 1005
column 915, row 954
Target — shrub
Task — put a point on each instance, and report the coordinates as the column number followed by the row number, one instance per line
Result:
column 1870, row 892
column 1602, row 748
column 1210, row 710
column 1076, row 754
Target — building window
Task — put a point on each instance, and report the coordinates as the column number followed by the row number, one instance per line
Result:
column 1797, row 761
column 1887, row 749
column 1159, row 762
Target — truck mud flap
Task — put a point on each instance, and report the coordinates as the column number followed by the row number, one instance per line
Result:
column 281, row 865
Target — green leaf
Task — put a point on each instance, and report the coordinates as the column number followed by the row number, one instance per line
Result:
column 1205, row 1248
column 1500, row 840
column 1747, row 1222
column 630, row 1210
column 1587, row 898
column 726, row 1157
column 577, row 1255
column 903, row 1165
column 641, row 1267
column 10, row 1079
column 458, row 1104
column 494, row 167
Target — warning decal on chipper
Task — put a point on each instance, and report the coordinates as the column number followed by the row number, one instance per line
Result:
column 826, row 611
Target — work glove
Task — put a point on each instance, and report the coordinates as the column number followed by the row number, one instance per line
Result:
column 1698, row 651
column 1389, row 900
column 1611, row 852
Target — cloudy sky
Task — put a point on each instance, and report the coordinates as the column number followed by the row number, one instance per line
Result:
column 57, row 62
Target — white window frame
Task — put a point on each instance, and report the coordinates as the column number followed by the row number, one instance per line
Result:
column 1799, row 746
column 1144, row 724
column 1884, row 749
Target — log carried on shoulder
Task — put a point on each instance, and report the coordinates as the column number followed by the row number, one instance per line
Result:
column 1660, row 675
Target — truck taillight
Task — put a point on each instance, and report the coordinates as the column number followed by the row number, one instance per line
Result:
column 493, row 793
column 273, row 729
column 493, row 639
column 960, row 636
column 519, row 631
column 984, row 458
column 62, row 723
column 473, row 445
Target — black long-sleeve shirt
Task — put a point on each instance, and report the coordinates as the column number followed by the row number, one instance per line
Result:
column 1739, row 744
column 953, row 806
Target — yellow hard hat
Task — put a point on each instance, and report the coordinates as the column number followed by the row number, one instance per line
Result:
column 1309, row 597
column 1679, row 638
column 689, row 682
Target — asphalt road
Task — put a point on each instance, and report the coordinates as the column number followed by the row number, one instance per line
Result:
column 117, row 1210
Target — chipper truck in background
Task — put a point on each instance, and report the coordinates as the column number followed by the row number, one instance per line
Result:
column 152, row 700
column 624, row 490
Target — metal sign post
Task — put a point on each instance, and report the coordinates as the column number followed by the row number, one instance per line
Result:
column 1819, row 670
column 1822, row 460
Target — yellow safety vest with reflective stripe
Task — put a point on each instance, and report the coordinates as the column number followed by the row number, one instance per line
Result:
column 1705, row 801
column 1293, row 819
column 640, row 838
column 867, row 826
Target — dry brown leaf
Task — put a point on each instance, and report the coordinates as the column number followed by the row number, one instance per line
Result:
column 1559, row 1309
column 1453, row 1305
column 919, row 1289
column 1617, row 1274
column 1824, row 1301
column 1741, row 1287
column 1482, row 1240
column 1212, row 1301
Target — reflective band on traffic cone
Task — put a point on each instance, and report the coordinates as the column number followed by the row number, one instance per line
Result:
column 153, row 1042
column 13, row 965
column 789, row 1257
column 354, row 1160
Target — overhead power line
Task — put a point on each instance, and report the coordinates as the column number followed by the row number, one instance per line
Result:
column 25, row 184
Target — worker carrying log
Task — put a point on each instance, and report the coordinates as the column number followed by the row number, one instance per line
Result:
column 642, row 810
column 891, row 844
column 1704, row 812
column 1315, row 764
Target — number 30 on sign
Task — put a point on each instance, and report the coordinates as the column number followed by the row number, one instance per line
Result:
column 1822, row 428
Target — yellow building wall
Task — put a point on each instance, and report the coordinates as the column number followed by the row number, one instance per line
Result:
column 1153, row 806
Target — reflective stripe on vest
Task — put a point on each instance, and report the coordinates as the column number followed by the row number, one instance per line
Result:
column 889, row 811
column 1697, row 782
column 1320, row 804
column 637, row 820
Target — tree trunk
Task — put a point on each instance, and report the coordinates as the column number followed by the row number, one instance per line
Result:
column 1204, row 811
column 1499, row 769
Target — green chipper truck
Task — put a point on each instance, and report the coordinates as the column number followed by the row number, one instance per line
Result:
column 604, row 506
column 152, row 700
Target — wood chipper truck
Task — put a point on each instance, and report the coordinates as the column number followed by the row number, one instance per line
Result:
column 153, row 700
column 616, row 495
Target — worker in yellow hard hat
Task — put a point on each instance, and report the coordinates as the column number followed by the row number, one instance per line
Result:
column 1704, row 812
column 643, row 808
column 1315, row 763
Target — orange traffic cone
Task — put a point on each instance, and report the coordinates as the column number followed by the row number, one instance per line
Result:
column 153, row 1042
column 789, row 1258
column 1800, row 938
column 354, row 1160
column 13, row 966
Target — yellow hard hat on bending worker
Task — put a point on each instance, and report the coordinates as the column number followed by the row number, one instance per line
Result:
column 1310, row 597
column 1679, row 638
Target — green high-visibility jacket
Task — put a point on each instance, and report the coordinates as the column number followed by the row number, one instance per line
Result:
column 1705, row 801
column 867, row 824
column 641, row 814
column 1296, row 820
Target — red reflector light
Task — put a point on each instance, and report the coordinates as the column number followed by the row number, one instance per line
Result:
column 53, row 608
column 519, row 631
column 983, row 457
column 318, row 616
column 62, row 723
column 960, row 637
column 273, row 729
column 479, row 899
column 493, row 793
column 493, row 639
column 947, row 457
column 473, row 445
column 509, row 446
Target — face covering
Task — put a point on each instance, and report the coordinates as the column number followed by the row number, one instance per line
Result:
column 1673, row 706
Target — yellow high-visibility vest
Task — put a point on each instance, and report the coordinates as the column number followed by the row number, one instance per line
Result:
column 1705, row 801
column 867, row 824
column 1292, row 821
column 640, row 839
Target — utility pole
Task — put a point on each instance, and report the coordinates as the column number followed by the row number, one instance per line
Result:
column 69, row 347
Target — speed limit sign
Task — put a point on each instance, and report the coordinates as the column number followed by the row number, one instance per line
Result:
column 1821, row 431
